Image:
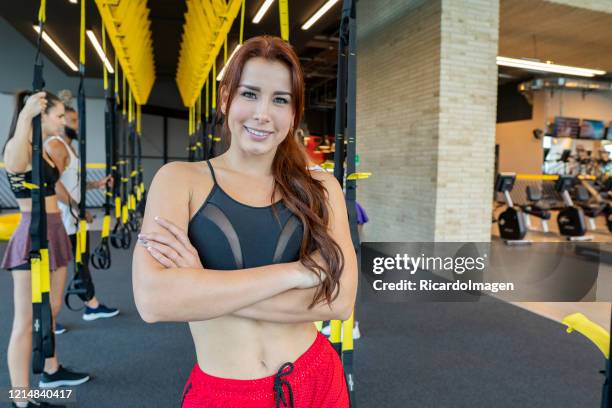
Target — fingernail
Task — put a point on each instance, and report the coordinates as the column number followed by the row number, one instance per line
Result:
column 156, row 218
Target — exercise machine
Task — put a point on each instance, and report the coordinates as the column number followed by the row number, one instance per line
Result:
column 536, row 208
column 570, row 218
column 511, row 221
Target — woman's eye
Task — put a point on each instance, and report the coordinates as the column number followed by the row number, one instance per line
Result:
column 282, row 101
column 249, row 94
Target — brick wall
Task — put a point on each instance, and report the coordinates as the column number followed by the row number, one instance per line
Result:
column 426, row 95
column 468, row 101
column 398, row 68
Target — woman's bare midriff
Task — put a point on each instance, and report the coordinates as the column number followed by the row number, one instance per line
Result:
column 25, row 204
column 246, row 349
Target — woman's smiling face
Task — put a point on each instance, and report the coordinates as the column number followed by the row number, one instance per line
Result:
column 261, row 113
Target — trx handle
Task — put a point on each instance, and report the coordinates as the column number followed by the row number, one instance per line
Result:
column 101, row 255
column 81, row 284
column 43, row 340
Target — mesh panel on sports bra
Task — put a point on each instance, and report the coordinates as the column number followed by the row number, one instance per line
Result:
column 288, row 230
column 217, row 216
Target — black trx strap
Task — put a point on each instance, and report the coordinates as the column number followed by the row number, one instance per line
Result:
column 43, row 340
column 141, row 194
column 208, row 137
column 213, row 135
column 199, row 136
column 81, row 284
column 101, row 256
column 346, row 130
column 191, row 147
column 121, row 236
column 133, row 219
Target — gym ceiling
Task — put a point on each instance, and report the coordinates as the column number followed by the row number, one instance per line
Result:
column 316, row 47
column 528, row 29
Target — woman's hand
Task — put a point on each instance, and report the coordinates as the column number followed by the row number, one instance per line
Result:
column 103, row 182
column 171, row 248
column 34, row 105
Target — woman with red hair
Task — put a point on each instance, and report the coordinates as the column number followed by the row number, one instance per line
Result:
column 250, row 248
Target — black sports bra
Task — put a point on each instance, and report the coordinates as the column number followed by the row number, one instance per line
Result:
column 51, row 175
column 230, row 235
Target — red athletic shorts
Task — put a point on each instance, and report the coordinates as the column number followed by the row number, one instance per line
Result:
column 315, row 379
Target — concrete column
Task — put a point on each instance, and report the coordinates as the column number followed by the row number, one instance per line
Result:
column 426, row 105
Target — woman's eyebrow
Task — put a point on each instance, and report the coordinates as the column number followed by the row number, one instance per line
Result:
column 258, row 89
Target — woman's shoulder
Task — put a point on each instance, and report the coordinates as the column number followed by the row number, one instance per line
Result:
column 180, row 174
column 329, row 183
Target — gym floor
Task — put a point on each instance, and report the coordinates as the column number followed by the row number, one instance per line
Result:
column 410, row 355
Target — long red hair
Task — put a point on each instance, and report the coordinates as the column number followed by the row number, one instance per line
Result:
column 303, row 195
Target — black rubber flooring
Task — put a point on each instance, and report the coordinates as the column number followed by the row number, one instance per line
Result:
column 411, row 355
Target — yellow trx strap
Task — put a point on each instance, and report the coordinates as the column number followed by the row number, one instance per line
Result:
column 347, row 333
column 140, row 187
column 41, row 282
column 117, row 82
column 42, row 11
column 117, row 207
column 83, row 230
column 82, row 37
column 130, row 111
column 242, row 21
column 199, row 110
column 103, row 64
column 138, row 124
column 335, row 334
column 124, row 213
column 283, row 10
column 131, row 198
column 123, row 82
column 190, row 127
column 36, row 279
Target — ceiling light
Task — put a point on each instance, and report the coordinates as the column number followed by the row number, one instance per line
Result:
column 262, row 11
column 548, row 67
column 73, row 1
column 96, row 44
column 56, row 48
column 220, row 75
column 318, row 14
